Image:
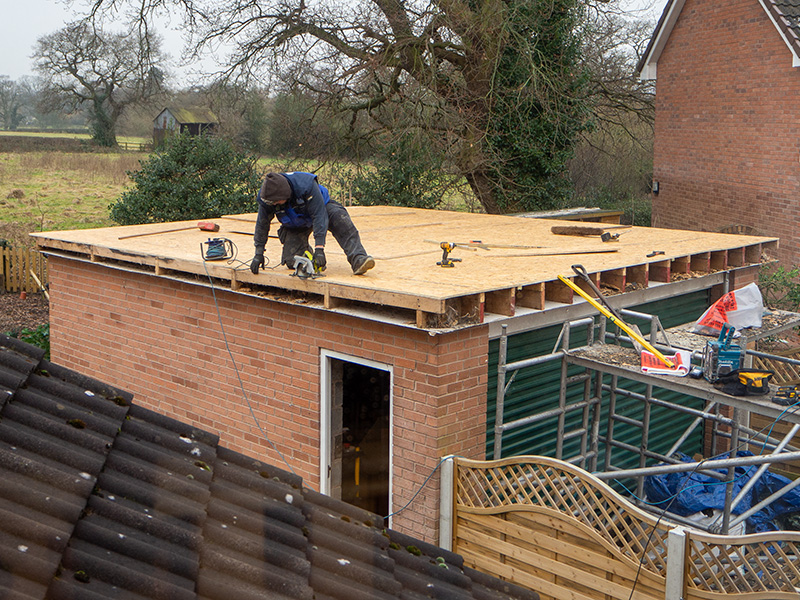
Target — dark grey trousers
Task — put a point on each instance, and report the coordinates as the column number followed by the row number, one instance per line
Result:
column 295, row 241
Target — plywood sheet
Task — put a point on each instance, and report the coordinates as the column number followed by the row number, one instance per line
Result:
column 503, row 256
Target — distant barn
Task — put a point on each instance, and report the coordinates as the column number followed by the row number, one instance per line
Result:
column 183, row 120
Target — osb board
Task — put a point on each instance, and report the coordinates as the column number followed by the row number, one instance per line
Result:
column 519, row 266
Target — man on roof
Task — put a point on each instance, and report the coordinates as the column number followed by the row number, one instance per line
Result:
column 303, row 206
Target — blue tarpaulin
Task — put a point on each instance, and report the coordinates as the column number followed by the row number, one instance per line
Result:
column 686, row 494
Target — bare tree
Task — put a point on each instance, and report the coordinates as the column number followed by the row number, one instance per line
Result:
column 612, row 45
column 612, row 166
column 495, row 85
column 12, row 100
column 104, row 73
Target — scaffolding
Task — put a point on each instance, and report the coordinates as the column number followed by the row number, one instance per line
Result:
column 724, row 418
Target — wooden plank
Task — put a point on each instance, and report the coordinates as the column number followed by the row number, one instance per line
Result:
column 584, row 285
column 545, row 588
column 22, row 269
column 752, row 254
column 555, row 291
column 636, row 276
column 333, row 302
column 769, row 250
column 614, row 278
column 700, row 263
column 531, row 296
column 566, row 528
column 719, row 260
column 681, row 264
column 472, row 308
column 501, row 302
column 554, row 566
column 374, row 296
column 660, row 271
column 571, row 549
column 411, row 280
column 736, row 257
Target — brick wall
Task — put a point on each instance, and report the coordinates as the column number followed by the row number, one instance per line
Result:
column 161, row 340
column 727, row 133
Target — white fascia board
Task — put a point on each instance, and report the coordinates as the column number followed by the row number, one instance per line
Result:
column 673, row 9
column 782, row 32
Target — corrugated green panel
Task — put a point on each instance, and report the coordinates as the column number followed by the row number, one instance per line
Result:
column 536, row 389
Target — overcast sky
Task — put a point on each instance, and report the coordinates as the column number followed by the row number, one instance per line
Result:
column 25, row 21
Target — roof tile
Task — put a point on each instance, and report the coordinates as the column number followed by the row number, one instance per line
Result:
column 104, row 499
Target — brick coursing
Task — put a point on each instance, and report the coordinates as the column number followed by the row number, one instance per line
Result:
column 160, row 339
column 727, row 131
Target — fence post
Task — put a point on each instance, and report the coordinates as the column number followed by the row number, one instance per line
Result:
column 447, row 502
column 4, row 267
column 676, row 564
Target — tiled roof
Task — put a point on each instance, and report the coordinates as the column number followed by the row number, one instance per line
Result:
column 100, row 498
column 192, row 115
column 785, row 14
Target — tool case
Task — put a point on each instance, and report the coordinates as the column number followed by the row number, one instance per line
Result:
column 721, row 356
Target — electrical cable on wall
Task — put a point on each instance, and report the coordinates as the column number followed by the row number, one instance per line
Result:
column 424, row 483
column 236, row 369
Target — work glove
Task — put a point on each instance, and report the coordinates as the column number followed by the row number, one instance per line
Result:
column 258, row 261
column 319, row 259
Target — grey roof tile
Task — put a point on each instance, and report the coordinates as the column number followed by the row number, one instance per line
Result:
column 785, row 14
column 104, row 499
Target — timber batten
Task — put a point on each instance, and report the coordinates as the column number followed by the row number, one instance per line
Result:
column 507, row 263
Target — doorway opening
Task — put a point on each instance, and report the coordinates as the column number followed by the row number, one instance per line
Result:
column 359, row 436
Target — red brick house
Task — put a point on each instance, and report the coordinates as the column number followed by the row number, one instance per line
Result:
column 727, row 132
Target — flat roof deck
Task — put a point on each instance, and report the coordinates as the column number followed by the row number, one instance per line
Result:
column 516, row 265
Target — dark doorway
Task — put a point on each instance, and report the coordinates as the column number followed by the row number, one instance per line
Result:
column 360, row 423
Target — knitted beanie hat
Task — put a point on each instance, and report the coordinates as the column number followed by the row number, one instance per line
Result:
column 275, row 188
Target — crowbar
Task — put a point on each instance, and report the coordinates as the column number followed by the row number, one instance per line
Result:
column 618, row 322
column 202, row 226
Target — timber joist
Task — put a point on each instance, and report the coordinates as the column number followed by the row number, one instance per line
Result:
column 503, row 265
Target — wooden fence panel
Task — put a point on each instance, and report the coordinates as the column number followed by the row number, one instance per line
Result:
column 556, row 529
column 20, row 267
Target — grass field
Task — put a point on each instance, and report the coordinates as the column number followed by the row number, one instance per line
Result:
column 72, row 136
column 45, row 188
column 40, row 191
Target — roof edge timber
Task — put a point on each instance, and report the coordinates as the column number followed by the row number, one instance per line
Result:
column 431, row 313
column 784, row 28
column 648, row 63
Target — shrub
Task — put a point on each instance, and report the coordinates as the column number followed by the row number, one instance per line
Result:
column 406, row 175
column 39, row 337
column 190, row 177
column 780, row 286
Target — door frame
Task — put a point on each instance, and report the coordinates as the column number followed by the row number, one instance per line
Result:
column 326, row 392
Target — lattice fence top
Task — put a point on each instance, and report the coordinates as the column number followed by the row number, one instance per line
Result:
column 552, row 484
column 742, row 564
column 785, row 373
column 762, row 565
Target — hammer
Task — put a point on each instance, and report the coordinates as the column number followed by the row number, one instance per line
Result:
column 202, row 226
